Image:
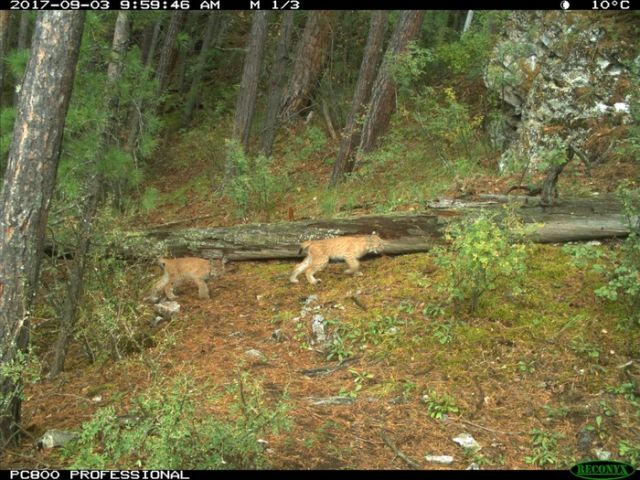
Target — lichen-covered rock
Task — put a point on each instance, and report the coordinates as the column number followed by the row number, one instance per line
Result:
column 565, row 78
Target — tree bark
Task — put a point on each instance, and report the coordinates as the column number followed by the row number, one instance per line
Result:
column 27, row 189
column 92, row 189
column 311, row 53
column 168, row 50
column 248, row 94
column 277, row 78
column 573, row 220
column 467, row 22
column 135, row 113
column 368, row 68
column 5, row 18
column 23, row 31
column 384, row 92
column 148, row 49
column 212, row 22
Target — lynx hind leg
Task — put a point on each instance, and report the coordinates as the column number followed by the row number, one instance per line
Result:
column 168, row 290
column 354, row 266
column 158, row 287
column 299, row 269
column 317, row 264
column 203, row 290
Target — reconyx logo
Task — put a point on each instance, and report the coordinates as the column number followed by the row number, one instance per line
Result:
column 602, row 470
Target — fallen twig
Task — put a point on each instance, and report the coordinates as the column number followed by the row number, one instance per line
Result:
column 462, row 420
column 391, row 445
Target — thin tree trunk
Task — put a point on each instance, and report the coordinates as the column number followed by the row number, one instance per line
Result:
column 93, row 187
column 368, row 68
column 150, row 42
column 384, row 91
column 26, row 192
column 23, row 31
column 135, row 114
column 182, row 55
column 467, row 22
column 276, row 83
column 196, row 83
column 168, row 50
column 248, row 94
column 5, row 17
column 311, row 53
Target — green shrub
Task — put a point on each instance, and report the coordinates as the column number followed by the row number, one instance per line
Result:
column 482, row 251
column 168, row 427
column 252, row 186
column 625, row 279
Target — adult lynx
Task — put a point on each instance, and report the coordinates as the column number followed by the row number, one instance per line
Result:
column 349, row 249
column 177, row 270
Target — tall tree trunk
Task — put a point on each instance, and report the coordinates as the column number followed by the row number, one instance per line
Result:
column 276, row 82
column 212, row 22
column 467, row 21
column 384, row 91
column 248, row 94
column 150, row 42
column 368, row 68
column 27, row 189
column 5, row 17
column 135, row 114
column 93, row 188
column 168, row 49
column 23, row 31
column 182, row 55
column 311, row 53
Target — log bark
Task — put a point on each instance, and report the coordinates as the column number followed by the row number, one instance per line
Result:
column 572, row 220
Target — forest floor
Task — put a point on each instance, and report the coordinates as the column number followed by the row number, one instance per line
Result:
column 551, row 358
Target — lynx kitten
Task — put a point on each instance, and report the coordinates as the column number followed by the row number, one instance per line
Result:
column 177, row 270
column 349, row 249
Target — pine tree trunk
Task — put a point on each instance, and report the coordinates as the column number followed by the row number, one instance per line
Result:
column 368, row 68
column 212, row 22
column 384, row 92
column 93, row 188
column 135, row 112
column 467, row 21
column 276, row 82
column 311, row 53
column 168, row 50
column 248, row 94
column 26, row 192
column 150, row 42
column 5, row 17
column 23, row 31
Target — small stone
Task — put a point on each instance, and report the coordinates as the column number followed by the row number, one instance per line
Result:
column 473, row 466
column 444, row 459
column 56, row 438
column 166, row 310
column 256, row 356
column 602, row 454
column 277, row 336
column 467, row 441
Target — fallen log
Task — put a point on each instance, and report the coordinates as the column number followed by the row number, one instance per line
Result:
column 570, row 220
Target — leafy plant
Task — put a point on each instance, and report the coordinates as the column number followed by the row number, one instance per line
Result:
column 482, row 251
column 630, row 451
column 625, row 279
column 167, row 428
column 545, row 446
column 252, row 186
column 439, row 405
